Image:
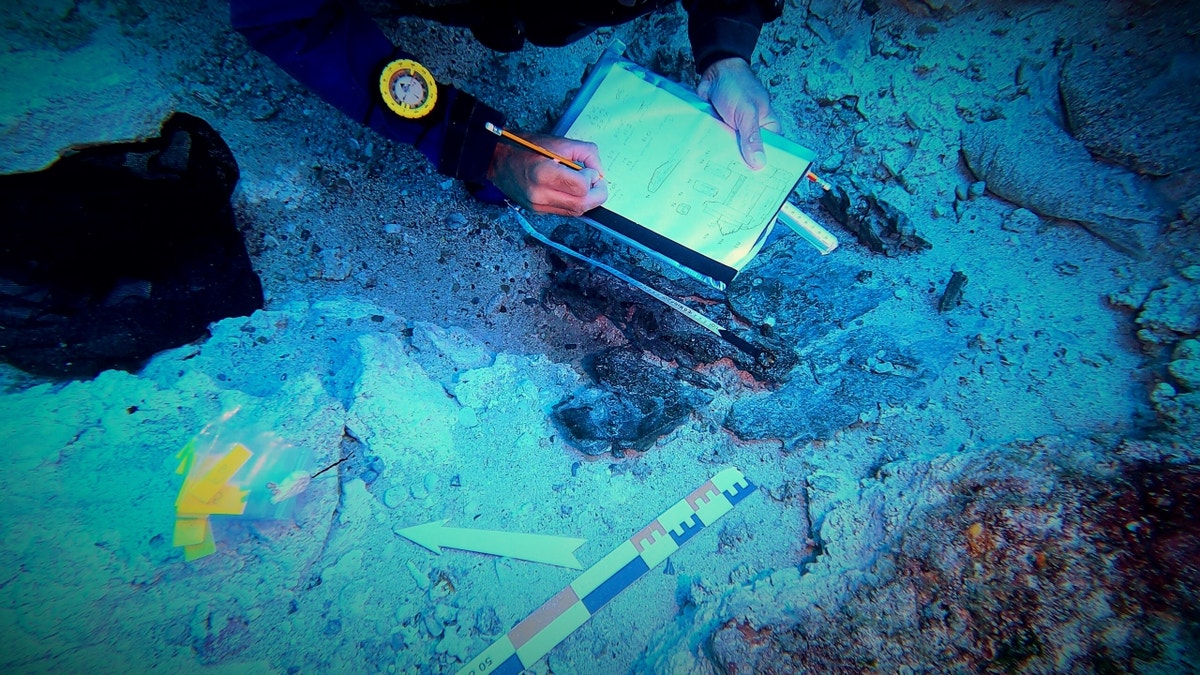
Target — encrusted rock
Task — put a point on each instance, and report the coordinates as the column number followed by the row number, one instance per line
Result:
column 1170, row 312
column 876, row 223
column 635, row 403
column 1185, row 366
column 952, row 296
column 801, row 296
column 1143, row 77
column 1035, row 164
column 1032, row 563
column 845, row 378
column 444, row 352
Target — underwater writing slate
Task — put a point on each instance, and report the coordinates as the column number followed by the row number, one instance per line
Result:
column 675, row 169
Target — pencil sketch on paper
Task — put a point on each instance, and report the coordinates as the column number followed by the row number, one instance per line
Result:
column 676, row 170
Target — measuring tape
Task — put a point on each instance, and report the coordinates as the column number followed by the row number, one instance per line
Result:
column 551, row 623
column 762, row 356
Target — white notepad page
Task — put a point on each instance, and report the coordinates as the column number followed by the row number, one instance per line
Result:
column 676, row 170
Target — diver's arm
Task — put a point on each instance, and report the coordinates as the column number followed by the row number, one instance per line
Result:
column 722, row 29
column 723, row 35
column 337, row 51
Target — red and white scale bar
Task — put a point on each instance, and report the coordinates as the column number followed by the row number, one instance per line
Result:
column 551, row 623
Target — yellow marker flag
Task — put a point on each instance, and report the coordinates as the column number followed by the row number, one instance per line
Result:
column 206, row 547
column 206, row 487
column 185, row 456
column 189, row 531
column 228, row 501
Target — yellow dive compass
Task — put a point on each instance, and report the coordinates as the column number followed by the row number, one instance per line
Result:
column 408, row 88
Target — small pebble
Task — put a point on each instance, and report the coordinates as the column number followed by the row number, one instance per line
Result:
column 418, row 491
column 1162, row 391
column 833, row 162
column 434, row 626
column 446, row 613
column 1021, row 221
column 405, row 611
column 418, row 576
column 1187, row 349
column 394, row 497
column 392, row 228
column 488, row 621
column 1186, row 372
column 1066, row 269
column 468, row 417
column 261, row 111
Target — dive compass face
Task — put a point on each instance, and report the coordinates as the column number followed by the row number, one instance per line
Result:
column 408, row 88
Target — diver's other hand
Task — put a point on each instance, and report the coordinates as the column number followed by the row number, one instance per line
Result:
column 743, row 102
column 545, row 186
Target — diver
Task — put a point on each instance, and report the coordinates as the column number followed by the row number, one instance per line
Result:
column 334, row 48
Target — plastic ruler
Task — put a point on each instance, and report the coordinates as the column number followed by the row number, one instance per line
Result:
column 561, row 615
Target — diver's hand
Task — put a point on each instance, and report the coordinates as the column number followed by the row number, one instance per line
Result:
column 743, row 102
column 545, row 186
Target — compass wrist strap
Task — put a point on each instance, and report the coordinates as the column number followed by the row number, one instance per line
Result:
column 467, row 151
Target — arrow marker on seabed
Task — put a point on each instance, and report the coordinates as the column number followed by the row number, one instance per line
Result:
column 540, row 548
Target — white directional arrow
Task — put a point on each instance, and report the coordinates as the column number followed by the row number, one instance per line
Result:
column 540, row 548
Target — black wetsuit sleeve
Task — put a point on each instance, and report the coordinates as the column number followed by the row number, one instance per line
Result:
column 721, row 29
column 337, row 51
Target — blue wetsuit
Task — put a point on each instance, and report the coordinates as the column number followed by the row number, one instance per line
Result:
column 335, row 49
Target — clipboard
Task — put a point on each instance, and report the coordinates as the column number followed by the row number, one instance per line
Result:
column 678, row 187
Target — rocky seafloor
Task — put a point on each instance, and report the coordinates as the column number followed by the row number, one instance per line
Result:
column 994, row 479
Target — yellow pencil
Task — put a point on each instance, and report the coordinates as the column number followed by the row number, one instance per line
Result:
column 817, row 179
column 550, row 154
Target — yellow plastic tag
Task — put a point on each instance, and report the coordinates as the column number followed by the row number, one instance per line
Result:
column 207, row 546
column 206, row 487
column 185, row 456
column 228, row 501
column 189, row 531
